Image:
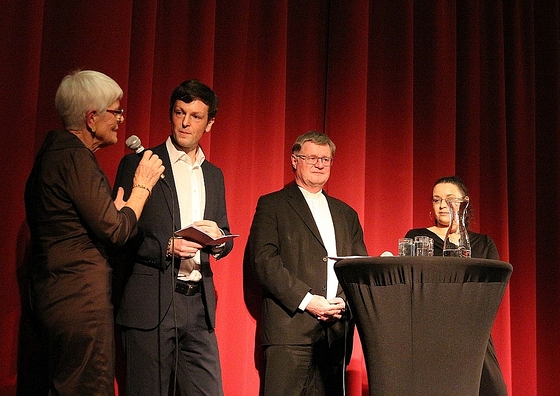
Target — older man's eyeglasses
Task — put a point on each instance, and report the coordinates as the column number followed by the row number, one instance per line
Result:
column 118, row 112
column 312, row 159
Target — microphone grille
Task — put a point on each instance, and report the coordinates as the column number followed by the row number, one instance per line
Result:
column 133, row 142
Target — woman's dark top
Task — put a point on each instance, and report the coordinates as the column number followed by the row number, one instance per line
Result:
column 482, row 246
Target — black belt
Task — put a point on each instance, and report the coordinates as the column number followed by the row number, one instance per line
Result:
column 188, row 288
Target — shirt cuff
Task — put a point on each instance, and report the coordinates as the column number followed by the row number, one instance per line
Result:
column 305, row 302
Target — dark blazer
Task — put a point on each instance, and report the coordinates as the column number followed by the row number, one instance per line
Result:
column 289, row 259
column 149, row 287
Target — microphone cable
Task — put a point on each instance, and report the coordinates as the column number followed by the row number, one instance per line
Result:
column 134, row 143
column 173, row 285
column 346, row 330
column 173, row 282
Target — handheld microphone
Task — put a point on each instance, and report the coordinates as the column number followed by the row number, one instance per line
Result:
column 134, row 143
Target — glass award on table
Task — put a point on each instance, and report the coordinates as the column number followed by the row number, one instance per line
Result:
column 456, row 242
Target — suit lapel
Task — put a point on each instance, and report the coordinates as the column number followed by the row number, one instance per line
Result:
column 339, row 222
column 167, row 185
column 298, row 202
column 210, row 190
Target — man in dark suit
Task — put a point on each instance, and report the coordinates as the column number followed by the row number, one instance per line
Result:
column 304, row 330
column 168, row 307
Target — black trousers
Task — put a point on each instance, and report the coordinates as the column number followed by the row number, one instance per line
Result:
column 307, row 370
column 180, row 350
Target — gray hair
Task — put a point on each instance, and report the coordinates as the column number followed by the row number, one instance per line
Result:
column 315, row 137
column 82, row 91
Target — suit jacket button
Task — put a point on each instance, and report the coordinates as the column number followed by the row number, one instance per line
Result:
column 325, row 259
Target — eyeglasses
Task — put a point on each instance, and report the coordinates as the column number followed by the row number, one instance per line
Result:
column 312, row 159
column 438, row 200
column 117, row 113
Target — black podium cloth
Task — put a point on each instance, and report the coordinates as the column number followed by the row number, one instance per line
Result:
column 424, row 322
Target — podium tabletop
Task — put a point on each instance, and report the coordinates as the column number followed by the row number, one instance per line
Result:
column 411, row 269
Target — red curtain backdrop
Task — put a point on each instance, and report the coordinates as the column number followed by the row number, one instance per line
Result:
column 409, row 91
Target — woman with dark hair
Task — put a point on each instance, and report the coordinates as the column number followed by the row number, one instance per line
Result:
column 482, row 246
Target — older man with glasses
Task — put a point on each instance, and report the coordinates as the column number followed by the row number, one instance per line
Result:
column 304, row 330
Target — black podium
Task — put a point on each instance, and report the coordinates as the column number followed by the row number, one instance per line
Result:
column 424, row 322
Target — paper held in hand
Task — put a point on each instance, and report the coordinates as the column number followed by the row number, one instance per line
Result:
column 196, row 234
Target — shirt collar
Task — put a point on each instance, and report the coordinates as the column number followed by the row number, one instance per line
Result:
column 176, row 155
column 310, row 195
